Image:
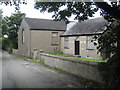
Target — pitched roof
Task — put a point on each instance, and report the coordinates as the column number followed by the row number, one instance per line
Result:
column 87, row 27
column 45, row 24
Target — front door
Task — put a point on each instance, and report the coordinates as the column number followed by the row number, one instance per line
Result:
column 77, row 47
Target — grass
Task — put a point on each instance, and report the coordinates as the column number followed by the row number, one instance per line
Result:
column 56, row 69
column 1, row 38
column 26, row 57
column 57, row 54
column 87, row 83
column 92, row 60
column 0, row 42
column 85, row 59
column 41, row 62
column 36, row 61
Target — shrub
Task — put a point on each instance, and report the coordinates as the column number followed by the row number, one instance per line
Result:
column 7, row 45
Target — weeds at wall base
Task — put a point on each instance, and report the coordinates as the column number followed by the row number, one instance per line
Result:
column 85, row 82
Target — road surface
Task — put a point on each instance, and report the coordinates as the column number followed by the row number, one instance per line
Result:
column 18, row 73
column 0, row 69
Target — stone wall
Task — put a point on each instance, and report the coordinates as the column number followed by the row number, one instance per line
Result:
column 15, row 51
column 86, row 69
column 84, row 52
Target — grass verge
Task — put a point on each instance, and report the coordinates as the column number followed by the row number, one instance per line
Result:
column 92, row 60
column 85, row 82
column 41, row 62
column 56, row 69
column 85, row 59
column 36, row 61
column 57, row 54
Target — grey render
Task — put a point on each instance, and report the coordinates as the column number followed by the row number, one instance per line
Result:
column 38, row 35
column 80, row 32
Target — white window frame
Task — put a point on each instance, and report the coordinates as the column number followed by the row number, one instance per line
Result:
column 66, row 43
column 89, row 43
column 54, row 35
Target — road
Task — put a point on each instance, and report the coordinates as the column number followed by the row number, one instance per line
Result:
column 0, row 69
column 19, row 73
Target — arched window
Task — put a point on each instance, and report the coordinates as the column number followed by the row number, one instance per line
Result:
column 23, row 36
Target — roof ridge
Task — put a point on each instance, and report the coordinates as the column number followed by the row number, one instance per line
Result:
column 37, row 23
column 41, row 19
column 91, row 26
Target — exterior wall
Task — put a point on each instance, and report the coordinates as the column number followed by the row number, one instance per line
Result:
column 41, row 40
column 71, row 49
column 80, row 68
column 84, row 52
column 24, row 48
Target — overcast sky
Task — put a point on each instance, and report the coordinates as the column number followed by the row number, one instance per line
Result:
column 30, row 11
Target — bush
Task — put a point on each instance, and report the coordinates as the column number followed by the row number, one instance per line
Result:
column 7, row 45
column 0, row 42
column 110, row 71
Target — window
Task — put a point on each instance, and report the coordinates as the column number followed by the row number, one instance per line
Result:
column 54, row 34
column 23, row 36
column 55, row 39
column 66, row 43
column 90, row 44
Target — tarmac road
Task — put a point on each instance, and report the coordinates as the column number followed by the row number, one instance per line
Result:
column 19, row 73
column 0, row 69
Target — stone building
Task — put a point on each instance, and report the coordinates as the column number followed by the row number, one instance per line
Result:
column 39, row 34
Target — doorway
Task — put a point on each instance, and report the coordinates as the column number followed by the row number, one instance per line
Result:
column 77, row 48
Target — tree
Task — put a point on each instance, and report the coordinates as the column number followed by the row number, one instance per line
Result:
column 84, row 10
column 16, row 3
column 0, row 28
column 81, row 10
column 10, row 26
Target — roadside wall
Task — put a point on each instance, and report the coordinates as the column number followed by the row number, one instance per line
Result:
column 15, row 51
column 86, row 69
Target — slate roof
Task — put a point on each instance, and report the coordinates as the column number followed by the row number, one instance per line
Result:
column 87, row 27
column 44, row 24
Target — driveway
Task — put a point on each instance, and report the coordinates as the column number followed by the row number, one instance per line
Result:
column 18, row 73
